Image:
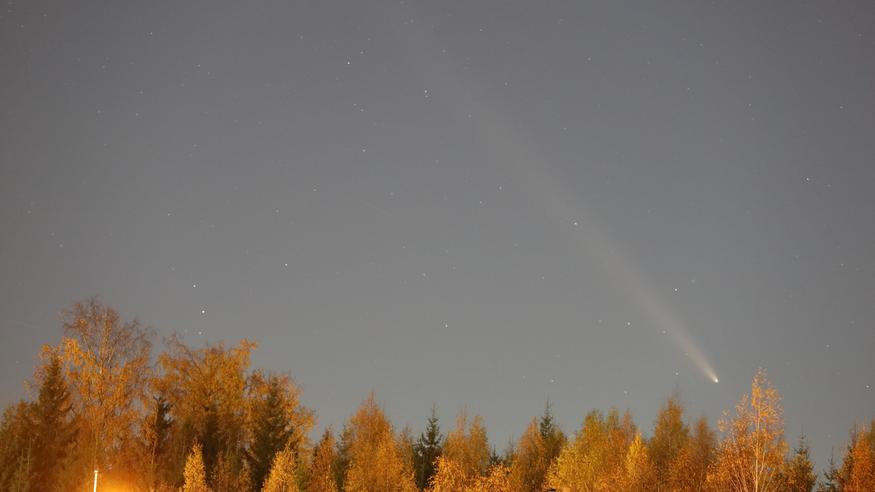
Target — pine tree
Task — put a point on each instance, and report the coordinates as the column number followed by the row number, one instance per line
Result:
column 195, row 476
column 427, row 450
column 799, row 473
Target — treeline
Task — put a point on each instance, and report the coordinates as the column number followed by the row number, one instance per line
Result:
column 200, row 419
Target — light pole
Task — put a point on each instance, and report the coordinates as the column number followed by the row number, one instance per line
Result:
column 95, row 480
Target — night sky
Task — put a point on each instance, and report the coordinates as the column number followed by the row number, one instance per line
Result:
column 484, row 203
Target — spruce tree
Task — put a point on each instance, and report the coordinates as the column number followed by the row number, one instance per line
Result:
column 427, row 450
column 799, row 474
column 271, row 429
column 51, row 423
column 551, row 434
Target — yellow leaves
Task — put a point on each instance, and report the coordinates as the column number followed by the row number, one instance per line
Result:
column 282, row 476
column 376, row 460
column 107, row 365
column 208, row 380
column 449, row 476
column 752, row 452
column 497, row 480
column 640, row 473
column 530, row 460
column 468, row 446
column 859, row 469
column 594, row 460
column 322, row 469
column 194, row 475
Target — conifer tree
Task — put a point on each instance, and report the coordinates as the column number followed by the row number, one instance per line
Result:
column 551, row 434
column 831, row 478
column 276, row 421
column 51, row 423
column 427, row 450
column 799, row 473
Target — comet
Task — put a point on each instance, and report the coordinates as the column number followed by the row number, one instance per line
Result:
column 504, row 140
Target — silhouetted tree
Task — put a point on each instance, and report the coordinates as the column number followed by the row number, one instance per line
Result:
column 799, row 473
column 427, row 450
column 51, row 423
column 277, row 421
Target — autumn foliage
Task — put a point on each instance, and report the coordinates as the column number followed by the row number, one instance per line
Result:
column 198, row 419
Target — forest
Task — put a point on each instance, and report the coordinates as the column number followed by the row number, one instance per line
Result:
column 102, row 406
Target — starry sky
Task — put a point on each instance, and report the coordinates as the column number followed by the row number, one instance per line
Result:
column 484, row 203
